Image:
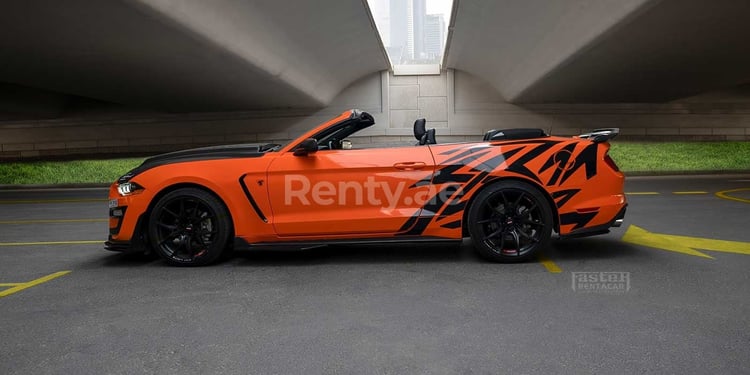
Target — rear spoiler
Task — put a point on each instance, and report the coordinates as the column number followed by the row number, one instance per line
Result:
column 601, row 135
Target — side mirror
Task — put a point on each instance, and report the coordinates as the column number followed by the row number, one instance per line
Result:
column 308, row 146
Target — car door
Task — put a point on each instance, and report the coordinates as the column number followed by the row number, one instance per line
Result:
column 348, row 192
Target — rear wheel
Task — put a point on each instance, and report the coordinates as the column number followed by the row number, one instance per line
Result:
column 510, row 221
column 189, row 227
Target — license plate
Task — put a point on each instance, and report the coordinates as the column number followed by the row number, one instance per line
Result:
column 112, row 203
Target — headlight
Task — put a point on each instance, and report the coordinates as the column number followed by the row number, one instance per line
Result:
column 128, row 188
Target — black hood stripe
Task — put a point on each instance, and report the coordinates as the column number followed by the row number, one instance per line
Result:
column 195, row 154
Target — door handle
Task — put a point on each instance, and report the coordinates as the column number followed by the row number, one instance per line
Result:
column 409, row 165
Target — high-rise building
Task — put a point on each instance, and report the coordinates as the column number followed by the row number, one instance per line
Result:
column 418, row 13
column 414, row 36
column 409, row 50
column 434, row 36
column 399, row 33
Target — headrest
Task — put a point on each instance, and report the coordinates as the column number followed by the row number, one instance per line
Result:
column 428, row 138
column 419, row 128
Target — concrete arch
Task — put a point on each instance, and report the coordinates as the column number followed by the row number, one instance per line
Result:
column 191, row 55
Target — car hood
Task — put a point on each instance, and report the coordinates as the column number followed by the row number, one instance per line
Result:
column 203, row 153
column 196, row 154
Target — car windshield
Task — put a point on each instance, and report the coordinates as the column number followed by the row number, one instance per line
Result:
column 337, row 132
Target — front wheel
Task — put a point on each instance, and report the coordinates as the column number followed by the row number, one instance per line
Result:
column 510, row 221
column 189, row 227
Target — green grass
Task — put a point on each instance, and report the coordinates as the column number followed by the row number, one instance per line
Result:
column 681, row 156
column 634, row 157
column 65, row 172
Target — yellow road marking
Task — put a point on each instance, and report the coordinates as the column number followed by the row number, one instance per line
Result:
column 50, row 243
column 643, row 193
column 9, row 284
column 21, row 286
column 683, row 244
column 52, row 221
column 689, row 192
column 34, row 201
column 549, row 265
column 725, row 195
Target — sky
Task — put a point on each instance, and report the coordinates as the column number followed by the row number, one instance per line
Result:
column 440, row 7
column 433, row 6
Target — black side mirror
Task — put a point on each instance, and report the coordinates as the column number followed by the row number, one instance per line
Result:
column 306, row 147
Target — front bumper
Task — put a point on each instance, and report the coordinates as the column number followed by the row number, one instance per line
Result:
column 119, row 246
column 137, row 242
column 116, row 218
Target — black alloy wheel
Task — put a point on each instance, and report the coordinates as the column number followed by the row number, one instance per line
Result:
column 510, row 221
column 189, row 227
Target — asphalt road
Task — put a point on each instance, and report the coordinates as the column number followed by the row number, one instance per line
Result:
column 407, row 309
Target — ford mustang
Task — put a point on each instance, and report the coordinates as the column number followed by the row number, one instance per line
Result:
column 508, row 193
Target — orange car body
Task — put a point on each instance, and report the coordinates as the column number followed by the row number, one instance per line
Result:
column 402, row 193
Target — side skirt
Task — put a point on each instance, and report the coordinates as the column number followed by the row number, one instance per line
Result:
column 241, row 245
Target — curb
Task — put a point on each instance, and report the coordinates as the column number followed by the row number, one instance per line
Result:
column 55, row 186
column 707, row 173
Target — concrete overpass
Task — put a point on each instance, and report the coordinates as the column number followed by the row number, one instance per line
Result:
column 120, row 76
column 589, row 51
column 186, row 55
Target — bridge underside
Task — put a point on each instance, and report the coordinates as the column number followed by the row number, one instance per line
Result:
column 187, row 55
column 591, row 51
column 114, row 77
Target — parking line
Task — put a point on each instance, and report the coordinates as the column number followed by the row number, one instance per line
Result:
column 689, row 192
column 22, row 286
column 50, row 243
column 52, row 201
column 725, row 195
column 548, row 264
column 643, row 193
column 52, row 221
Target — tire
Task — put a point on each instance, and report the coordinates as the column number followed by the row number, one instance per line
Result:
column 510, row 221
column 189, row 227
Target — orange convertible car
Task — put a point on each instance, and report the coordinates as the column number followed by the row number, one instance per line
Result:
column 507, row 192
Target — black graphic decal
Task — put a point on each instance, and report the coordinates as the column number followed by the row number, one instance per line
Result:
column 448, row 202
column 561, row 160
column 519, row 166
column 450, row 209
column 452, row 224
column 438, row 201
column 565, row 195
column 448, row 174
column 587, row 157
column 409, row 223
column 419, row 227
column 451, row 151
column 468, row 187
column 580, row 220
column 472, row 153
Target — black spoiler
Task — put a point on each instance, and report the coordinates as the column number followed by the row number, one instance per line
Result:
column 601, row 135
